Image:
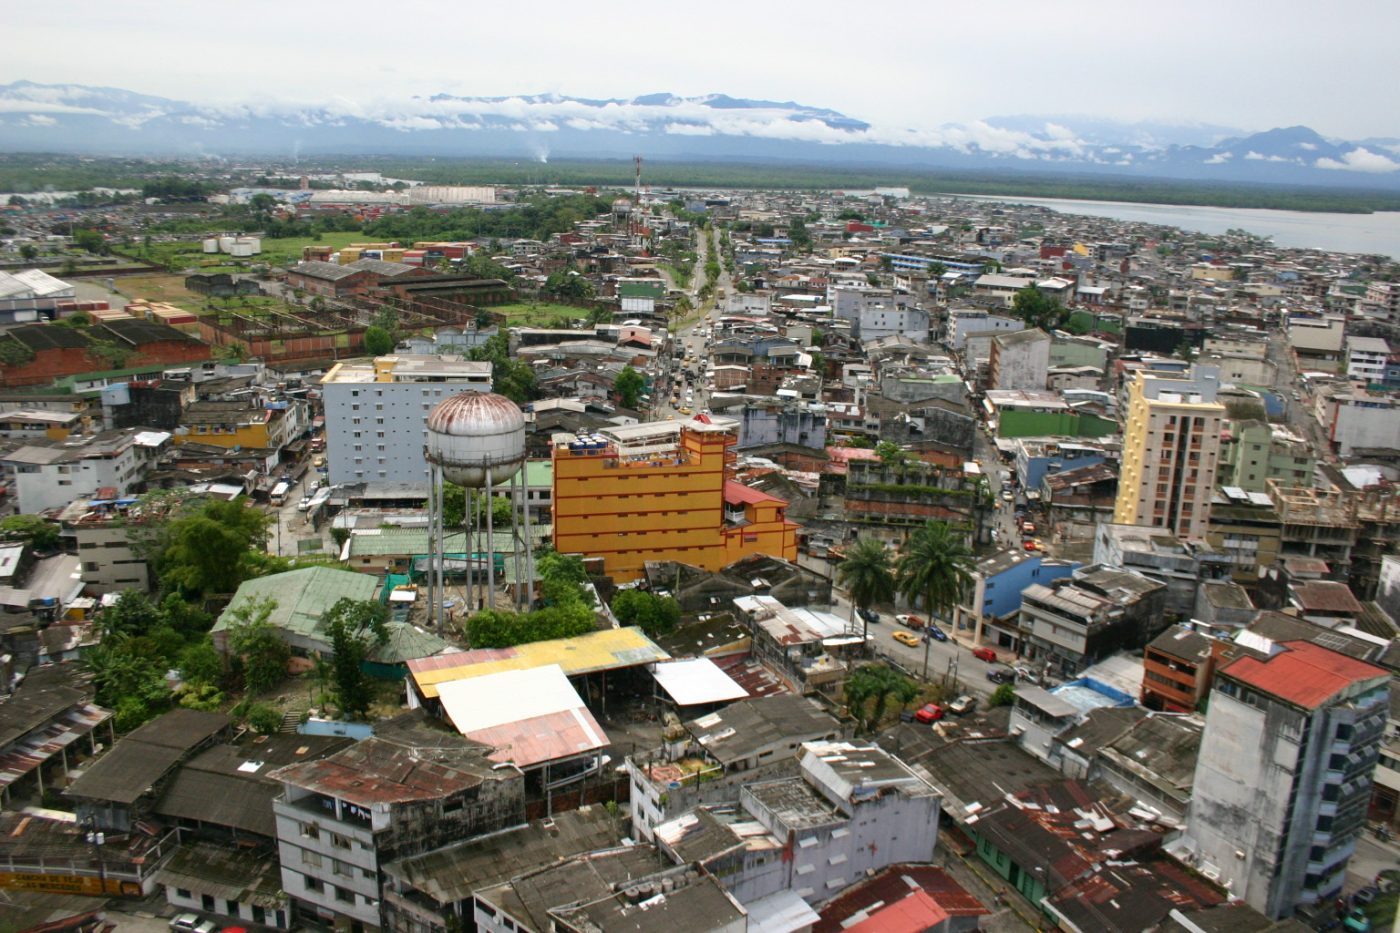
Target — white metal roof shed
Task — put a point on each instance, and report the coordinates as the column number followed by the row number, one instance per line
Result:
column 697, row 680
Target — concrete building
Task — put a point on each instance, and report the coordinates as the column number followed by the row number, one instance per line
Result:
column 1283, row 777
column 1085, row 618
column 376, row 414
column 410, row 788
column 49, row 474
column 1177, row 668
column 968, row 322
column 1252, row 452
column 1366, row 358
column 1355, row 419
column 1171, row 444
column 853, row 810
column 780, row 421
column 662, row 491
column 1039, row 457
column 995, row 595
column 99, row 531
column 1020, row 360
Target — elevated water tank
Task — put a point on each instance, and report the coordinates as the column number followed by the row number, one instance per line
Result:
column 474, row 434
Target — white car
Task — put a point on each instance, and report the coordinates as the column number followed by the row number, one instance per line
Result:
column 304, row 504
column 190, row 923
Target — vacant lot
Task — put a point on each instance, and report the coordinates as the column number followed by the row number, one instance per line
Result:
column 169, row 288
column 541, row 314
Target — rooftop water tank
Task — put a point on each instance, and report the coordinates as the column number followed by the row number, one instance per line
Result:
column 474, row 434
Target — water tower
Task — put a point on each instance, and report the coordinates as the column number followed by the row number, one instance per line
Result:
column 477, row 440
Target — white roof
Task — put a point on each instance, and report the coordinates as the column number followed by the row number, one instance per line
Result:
column 780, row 912
column 476, row 703
column 32, row 283
column 697, row 680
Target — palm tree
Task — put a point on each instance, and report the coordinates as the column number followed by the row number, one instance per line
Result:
column 868, row 577
column 936, row 565
column 878, row 682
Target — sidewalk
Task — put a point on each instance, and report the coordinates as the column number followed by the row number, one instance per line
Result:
column 1015, row 915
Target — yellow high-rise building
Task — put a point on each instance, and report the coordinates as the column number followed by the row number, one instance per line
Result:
column 1171, row 449
column 662, row 491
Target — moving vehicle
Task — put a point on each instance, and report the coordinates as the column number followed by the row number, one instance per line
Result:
column 1000, row 675
column 1027, row 528
column 1356, row 921
column 318, row 461
column 912, row 621
column 983, row 653
column 904, row 638
column 279, row 493
column 936, row 633
column 1008, row 495
column 962, row 705
column 930, row 712
column 304, row 504
column 191, row 923
column 869, row 615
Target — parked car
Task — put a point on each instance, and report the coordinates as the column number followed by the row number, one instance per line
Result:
column 1027, row 675
column 930, row 712
column 962, row 705
column 1008, row 495
column 304, row 504
column 1031, row 545
column 1356, row 921
column 1000, row 675
column 904, row 638
column 869, row 615
column 191, row 923
column 912, row 621
column 983, row 653
column 936, row 633
column 1365, row 896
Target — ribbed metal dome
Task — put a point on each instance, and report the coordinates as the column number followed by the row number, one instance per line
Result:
column 476, row 433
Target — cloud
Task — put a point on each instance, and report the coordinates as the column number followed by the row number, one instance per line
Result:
column 1360, row 159
column 1220, row 158
column 39, row 119
column 1253, row 156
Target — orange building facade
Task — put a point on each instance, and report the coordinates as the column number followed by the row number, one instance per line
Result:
column 662, row 491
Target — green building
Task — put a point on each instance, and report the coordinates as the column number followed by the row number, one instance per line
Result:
column 1254, row 451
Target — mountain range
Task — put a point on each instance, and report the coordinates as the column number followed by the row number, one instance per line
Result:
column 89, row 120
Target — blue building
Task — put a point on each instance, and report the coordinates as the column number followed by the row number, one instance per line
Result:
column 1038, row 457
column 999, row 580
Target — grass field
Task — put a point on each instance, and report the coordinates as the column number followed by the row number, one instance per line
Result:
column 275, row 253
column 542, row 314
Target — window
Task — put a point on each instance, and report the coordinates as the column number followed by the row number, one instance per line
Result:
column 339, row 841
column 206, row 901
column 182, row 892
column 345, row 895
column 311, row 858
column 312, row 884
column 310, row 831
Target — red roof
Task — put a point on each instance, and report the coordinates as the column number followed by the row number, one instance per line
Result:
column 738, row 493
column 913, row 914
column 1303, row 673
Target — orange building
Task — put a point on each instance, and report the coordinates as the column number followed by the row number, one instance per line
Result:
column 662, row 491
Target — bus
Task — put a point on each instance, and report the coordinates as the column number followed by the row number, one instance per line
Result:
column 279, row 493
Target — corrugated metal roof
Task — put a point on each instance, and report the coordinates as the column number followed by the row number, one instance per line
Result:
column 584, row 654
column 1304, row 674
column 303, row 596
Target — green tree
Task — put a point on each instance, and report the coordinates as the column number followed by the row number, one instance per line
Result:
column 1003, row 695
column 263, row 717
column 868, row 577
column 255, row 641
column 628, row 386
column 1037, row 310
column 891, row 454
column 127, row 680
column 378, row 341
column 211, row 548
column 875, row 684
column 935, row 566
column 91, row 241
column 655, row 615
column 40, row 534
column 200, row 663
column 29, row 252
column 355, row 627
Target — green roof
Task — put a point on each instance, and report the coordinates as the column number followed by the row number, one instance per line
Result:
column 302, row 596
column 405, row 643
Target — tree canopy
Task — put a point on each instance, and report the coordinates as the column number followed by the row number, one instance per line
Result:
column 510, row 377
column 935, row 566
column 1037, row 310
column 628, row 386
column 354, row 627
column 867, row 575
column 655, row 615
column 39, row 533
column 257, row 645
column 875, row 684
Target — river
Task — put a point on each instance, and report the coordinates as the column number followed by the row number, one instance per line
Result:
column 1343, row 233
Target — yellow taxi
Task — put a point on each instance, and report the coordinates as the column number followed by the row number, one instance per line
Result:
column 906, row 638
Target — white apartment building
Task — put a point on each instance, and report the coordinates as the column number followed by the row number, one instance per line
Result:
column 968, row 322
column 1366, row 358
column 1020, row 360
column 1171, row 449
column 50, row 474
column 376, row 414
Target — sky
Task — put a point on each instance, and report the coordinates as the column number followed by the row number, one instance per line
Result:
column 1239, row 63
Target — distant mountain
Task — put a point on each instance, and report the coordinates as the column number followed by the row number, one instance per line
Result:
column 100, row 120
